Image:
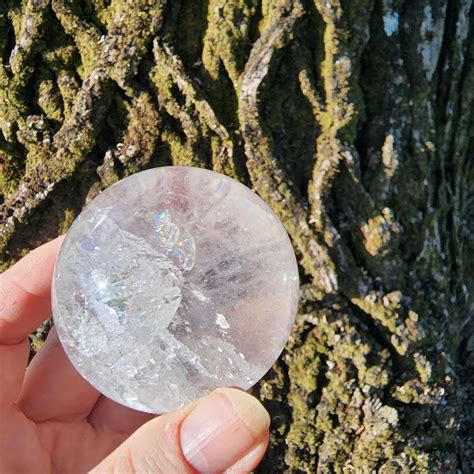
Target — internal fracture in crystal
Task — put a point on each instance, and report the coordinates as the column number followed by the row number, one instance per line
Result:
column 171, row 283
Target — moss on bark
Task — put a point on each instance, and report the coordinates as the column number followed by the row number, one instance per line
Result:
column 352, row 119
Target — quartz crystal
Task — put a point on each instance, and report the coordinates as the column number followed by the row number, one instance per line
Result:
column 171, row 283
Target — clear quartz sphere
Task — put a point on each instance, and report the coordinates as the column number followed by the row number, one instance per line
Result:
column 171, row 283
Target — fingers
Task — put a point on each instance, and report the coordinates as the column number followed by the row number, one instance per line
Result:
column 108, row 415
column 24, row 304
column 228, row 430
column 223, row 430
column 25, row 293
column 13, row 360
column 53, row 389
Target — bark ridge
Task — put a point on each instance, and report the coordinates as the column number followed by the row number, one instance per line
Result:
column 352, row 119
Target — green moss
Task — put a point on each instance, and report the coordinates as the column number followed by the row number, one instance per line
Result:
column 189, row 31
column 86, row 35
column 364, row 161
column 69, row 216
column 38, row 337
column 49, row 99
column 420, row 459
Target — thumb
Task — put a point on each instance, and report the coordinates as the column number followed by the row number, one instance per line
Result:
column 227, row 430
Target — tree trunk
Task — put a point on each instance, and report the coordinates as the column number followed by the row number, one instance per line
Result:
column 352, row 119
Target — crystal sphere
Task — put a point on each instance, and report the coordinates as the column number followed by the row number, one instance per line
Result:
column 171, row 283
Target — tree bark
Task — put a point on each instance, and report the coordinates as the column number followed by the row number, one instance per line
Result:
column 352, row 119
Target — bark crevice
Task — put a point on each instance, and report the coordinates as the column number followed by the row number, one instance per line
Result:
column 352, row 119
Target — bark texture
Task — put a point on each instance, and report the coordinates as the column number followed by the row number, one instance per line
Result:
column 352, row 119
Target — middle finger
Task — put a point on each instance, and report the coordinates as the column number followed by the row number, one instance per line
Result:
column 53, row 389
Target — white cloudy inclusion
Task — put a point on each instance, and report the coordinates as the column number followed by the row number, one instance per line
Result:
column 171, row 283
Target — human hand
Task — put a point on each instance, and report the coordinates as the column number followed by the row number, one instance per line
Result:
column 52, row 420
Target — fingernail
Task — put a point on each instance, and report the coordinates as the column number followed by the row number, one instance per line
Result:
column 222, row 429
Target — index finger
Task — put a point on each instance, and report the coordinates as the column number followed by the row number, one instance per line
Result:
column 25, row 293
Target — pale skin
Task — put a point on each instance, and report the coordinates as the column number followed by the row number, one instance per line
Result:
column 52, row 420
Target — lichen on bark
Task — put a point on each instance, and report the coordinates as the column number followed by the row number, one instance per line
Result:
column 352, row 119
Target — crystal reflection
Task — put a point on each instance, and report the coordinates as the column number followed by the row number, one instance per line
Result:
column 177, row 242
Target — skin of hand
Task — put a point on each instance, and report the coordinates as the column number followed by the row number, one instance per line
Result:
column 52, row 420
